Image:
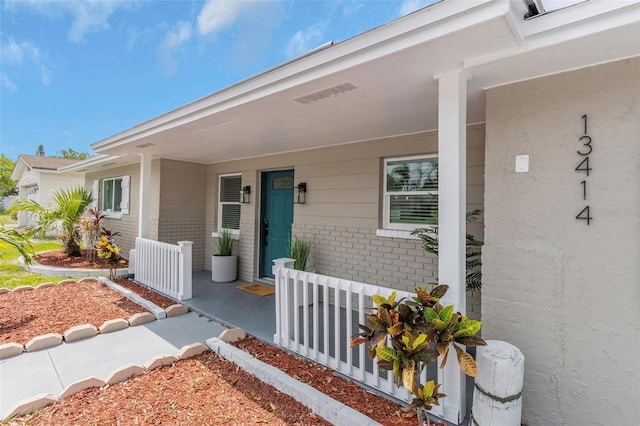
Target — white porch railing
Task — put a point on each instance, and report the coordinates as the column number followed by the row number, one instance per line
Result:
column 321, row 331
column 164, row 267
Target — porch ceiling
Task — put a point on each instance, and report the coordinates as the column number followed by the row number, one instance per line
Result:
column 394, row 72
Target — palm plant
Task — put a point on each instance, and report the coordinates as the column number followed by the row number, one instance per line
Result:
column 19, row 241
column 429, row 237
column 64, row 217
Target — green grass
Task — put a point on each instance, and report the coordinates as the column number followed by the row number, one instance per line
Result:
column 5, row 219
column 12, row 275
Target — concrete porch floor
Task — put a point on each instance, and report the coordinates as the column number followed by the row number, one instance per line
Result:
column 227, row 305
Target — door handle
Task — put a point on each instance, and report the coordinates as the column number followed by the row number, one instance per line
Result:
column 265, row 231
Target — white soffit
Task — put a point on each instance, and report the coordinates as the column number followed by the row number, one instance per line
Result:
column 393, row 69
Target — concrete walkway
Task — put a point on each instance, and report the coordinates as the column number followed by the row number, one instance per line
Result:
column 52, row 370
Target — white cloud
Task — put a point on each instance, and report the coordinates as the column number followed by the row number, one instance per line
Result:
column 89, row 16
column 6, row 82
column 409, row 6
column 219, row 14
column 305, row 40
column 351, row 8
column 171, row 44
column 14, row 53
column 45, row 75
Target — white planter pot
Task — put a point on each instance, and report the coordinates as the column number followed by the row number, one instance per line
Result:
column 224, row 268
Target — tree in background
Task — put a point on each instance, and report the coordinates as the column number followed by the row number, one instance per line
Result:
column 40, row 151
column 72, row 154
column 7, row 186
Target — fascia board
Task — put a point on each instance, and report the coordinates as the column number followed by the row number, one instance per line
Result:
column 89, row 162
column 18, row 169
column 580, row 20
column 441, row 19
column 561, row 26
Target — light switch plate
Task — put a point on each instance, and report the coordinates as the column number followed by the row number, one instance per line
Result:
column 522, row 163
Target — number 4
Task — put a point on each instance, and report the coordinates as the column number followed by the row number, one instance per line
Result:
column 585, row 214
column 586, row 167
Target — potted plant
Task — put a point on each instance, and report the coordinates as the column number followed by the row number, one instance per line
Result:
column 224, row 265
column 299, row 251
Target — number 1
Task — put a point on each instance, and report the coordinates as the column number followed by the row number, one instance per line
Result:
column 584, row 189
column 584, row 117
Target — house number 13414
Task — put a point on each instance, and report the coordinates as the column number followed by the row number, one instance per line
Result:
column 583, row 167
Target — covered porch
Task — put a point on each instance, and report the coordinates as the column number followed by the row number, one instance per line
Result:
column 232, row 307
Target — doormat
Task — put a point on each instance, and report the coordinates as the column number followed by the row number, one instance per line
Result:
column 257, row 289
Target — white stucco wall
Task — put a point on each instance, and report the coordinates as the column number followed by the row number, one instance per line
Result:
column 567, row 294
column 48, row 183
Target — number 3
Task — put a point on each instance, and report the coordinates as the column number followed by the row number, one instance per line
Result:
column 587, row 144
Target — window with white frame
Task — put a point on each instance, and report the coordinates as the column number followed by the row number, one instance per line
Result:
column 229, row 202
column 410, row 192
column 113, row 194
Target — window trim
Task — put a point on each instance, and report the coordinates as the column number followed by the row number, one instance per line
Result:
column 386, row 205
column 235, row 232
column 98, row 195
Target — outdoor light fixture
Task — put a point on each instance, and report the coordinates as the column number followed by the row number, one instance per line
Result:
column 245, row 191
column 301, row 193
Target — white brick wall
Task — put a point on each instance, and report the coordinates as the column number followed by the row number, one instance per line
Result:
column 358, row 254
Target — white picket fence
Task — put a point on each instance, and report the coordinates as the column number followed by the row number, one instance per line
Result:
column 305, row 324
column 164, row 267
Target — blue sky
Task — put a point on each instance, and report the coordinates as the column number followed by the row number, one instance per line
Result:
column 75, row 72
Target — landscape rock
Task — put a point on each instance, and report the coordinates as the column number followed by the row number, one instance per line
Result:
column 160, row 361
column 188, row 351
column 42, row 342
column 113, row 325
column 80, row 385
column 141, row 318
column 22, row 288
column 10, row 349
column 175, row 310
column 29, row 405
column 80, row 332
column 124, row 373
column 232, row 335
column 45, row 285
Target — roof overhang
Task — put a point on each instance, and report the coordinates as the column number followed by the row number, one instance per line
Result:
column 391, row 78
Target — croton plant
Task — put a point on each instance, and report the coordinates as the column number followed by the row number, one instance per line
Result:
column 406, row 335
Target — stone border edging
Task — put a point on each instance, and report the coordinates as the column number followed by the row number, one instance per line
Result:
column 156, row 310
column 53, row 271
column 328, row 408
column 85, row 331
column 121, row 374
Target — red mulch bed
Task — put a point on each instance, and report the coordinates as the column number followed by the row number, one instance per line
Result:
column 330, row 383
column 160, row 300
column 204, row 390
column 25, row 315
column 62, row 260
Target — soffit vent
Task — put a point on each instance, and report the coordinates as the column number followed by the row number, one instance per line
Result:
column 326, row 93
column 145, row 145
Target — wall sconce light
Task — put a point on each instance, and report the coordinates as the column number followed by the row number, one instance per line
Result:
column 245, row 191
column 301, row 193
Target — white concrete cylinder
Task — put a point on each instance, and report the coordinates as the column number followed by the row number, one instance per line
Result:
column 497, row 394
column 132, row 261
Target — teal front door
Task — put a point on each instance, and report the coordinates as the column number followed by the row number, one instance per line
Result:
column 277, row 218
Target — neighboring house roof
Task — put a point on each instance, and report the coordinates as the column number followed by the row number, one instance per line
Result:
column 47, row 163
column 39, row 162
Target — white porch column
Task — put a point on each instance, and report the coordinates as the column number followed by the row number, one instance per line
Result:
column 145, row 196
column 452, row 196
